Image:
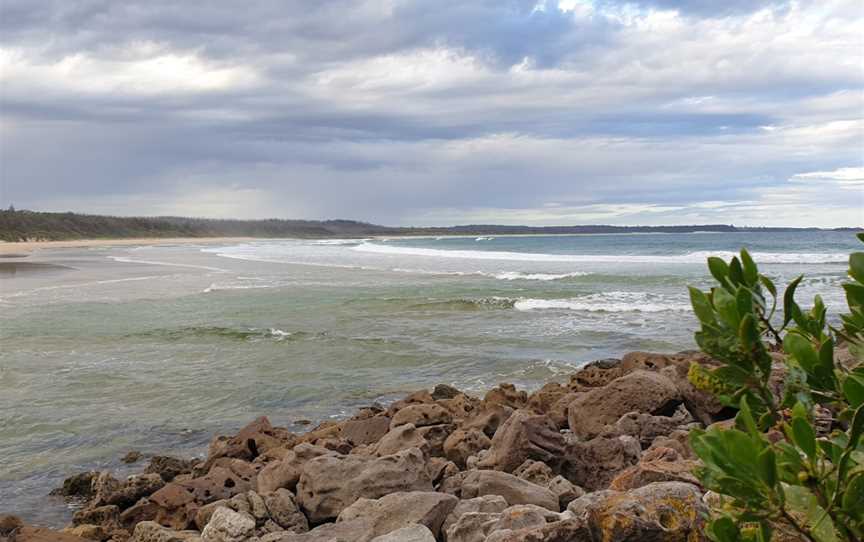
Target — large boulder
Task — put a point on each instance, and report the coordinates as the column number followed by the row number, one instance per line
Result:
column 524, row 436
column 357, row 530
column 656, row 465
column 542, row 400
column 658, row 512
column 506, row 395
column 421, row 415
column 402, row 437
column 514, row 490
column 411, row 533
column 366, row 431
column 331, row 483
column 593, row 464
column 285, row 473
column 226, row 525
column 487, row 504
column 168, row 467
column 398, row 510
column 487, row 418
column 591, row 412
column 150, row 531
column 248, row 443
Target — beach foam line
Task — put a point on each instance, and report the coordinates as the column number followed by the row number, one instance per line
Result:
column 123, row 259
column 606, row 302
column 691, row 257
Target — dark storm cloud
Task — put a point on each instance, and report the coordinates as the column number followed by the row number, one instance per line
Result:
column 400, row 111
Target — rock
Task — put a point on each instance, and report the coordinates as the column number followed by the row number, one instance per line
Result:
column 9, row 523
column 506, row 395
column 558, row 412
column 357, row 530
column 542, row 400
column 285, row 473
column 462, row 444
column 168, row 467
column 247, row 444
column 678, row 440
column 535, row 472
column 443, row 391
column 131, row 457
column 578, row 508
column 513, row 489
column 402, row 437
column 416, row 398
column 177, row 504
column 284, row 511
column 89, row 532
column 565, row 490
column 439, row 468
column 656, row 465
column 488, row 418
column 703, row 405
column 472, row 527
column 640, row 391
column 460, row 406
column 78, row 485
column 567, row 530
column 331, row 483
column 226, row 525
column 366, row 431
column 488, row 504
column 435, row 435
column 411, row 533
column 130, row 491
column 647, row 427
column 421, row 415
column 108, row 516
column 524, row 436
column 658, row 512
column 593, row 464
column 27, row 533
column 398, row 510
column 150, row 531
column 597, row 374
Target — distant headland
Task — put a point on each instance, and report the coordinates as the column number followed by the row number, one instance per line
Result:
column 23, row 225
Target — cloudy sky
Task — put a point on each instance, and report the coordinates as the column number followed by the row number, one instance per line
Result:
column 437, row 111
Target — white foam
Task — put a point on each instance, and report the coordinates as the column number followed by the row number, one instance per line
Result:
column 691, row 257
column 517, row 275
column 606, row 302
column 122, row 259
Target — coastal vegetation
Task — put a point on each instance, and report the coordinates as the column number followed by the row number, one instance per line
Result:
column 794, row 460
column 23, row 225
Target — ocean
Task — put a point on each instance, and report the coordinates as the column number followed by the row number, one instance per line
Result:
column 158, row 348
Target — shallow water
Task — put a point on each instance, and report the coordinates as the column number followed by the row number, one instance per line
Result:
column 158, row 348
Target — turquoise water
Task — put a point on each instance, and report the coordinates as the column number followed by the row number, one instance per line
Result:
column 158, row 348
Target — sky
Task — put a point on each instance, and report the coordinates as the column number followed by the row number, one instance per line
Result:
column 441, row 112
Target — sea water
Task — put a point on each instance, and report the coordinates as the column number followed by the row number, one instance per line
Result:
column 158, row 348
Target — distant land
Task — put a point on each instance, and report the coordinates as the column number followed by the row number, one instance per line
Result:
column 23, row 225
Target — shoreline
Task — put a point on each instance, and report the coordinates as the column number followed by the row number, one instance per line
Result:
column 10, row 249
column 560, row 463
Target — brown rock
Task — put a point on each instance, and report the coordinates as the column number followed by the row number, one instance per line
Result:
column 506, row 395
column 488, row 418
column 366, row 431
column 542, row 400
column 487, row 504
column 593, row 464
column 168, row 467
column 421, row 415
column 286, row 472
column 513, row 489
column 460, row 406
column 247, row 444
column 9, row 523
column 443, row 391
column 658, row 512
column 26, row 533
column 436, row 435
column 418, row 397
column 331, row 483
column 402, row 437
column 78, row 485
column 558, row 411
column 656, row 465
column 398, row 510
column 647, row 427
column 524, row 436
column 131, row 457
column 462, row 444
column 641, row 391
column 678, row 440
column 107, row 516
column 535, row 472
column 596, row 374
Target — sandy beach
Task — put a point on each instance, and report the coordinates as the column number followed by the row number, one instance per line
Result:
column 28, row 247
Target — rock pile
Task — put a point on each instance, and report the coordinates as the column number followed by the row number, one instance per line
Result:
column 602, row 458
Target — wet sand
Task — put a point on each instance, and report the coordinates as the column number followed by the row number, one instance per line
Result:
column 25, row 248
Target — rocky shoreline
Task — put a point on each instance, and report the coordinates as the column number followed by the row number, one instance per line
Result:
column 602, row 458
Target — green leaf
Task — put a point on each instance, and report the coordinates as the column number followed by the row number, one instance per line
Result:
column 702, row 306
column 744, row 301
column 854, row 496
column 723, row 529
column 802, row 351
column 769, row 285
column 719, row 269
column 854, row 294
column 853, row 390
column 736, row 273
column 727, row 308
column 746, row 417
column 856, row 266
column 748, row 332
column 789, row 305
column 751, row 272
column 767, row 467
column 804, row 436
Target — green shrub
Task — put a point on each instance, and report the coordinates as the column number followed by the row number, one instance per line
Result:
column 794, row 461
